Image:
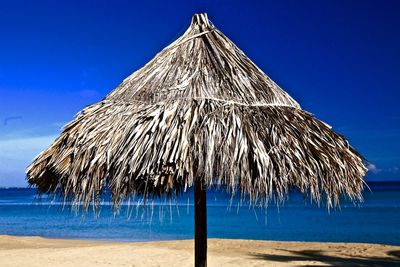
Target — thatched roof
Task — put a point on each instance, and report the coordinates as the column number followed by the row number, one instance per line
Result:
column 199, row 110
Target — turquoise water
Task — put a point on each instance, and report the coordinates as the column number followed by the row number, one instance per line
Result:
column 377, row 220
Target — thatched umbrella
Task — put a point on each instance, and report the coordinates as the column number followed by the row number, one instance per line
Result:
column 199, row 114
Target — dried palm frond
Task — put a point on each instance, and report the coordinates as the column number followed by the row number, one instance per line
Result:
column 199, row 110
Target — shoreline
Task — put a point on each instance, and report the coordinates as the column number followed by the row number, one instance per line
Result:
column 116, row 241
column 39, row 251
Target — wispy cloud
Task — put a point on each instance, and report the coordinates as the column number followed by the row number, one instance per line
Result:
column 15, row 156
column 11, row 118
column 379, row 173
column 373, row 168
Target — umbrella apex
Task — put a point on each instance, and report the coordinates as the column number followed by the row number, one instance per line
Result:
column 200, row 19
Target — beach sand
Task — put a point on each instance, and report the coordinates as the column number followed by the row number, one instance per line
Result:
column 36, row 251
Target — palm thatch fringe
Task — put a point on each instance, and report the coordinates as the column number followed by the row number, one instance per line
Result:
column 151, row 149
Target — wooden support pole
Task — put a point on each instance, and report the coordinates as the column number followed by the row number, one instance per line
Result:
column 200, row 224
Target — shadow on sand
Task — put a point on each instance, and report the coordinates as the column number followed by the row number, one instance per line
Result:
column 392, row 259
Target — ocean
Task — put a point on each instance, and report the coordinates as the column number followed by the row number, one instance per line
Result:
column 376, row 220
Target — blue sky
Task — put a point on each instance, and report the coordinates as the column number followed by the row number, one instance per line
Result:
column 339, row 59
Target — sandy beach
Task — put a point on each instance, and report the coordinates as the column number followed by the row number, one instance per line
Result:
column 36, row 251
